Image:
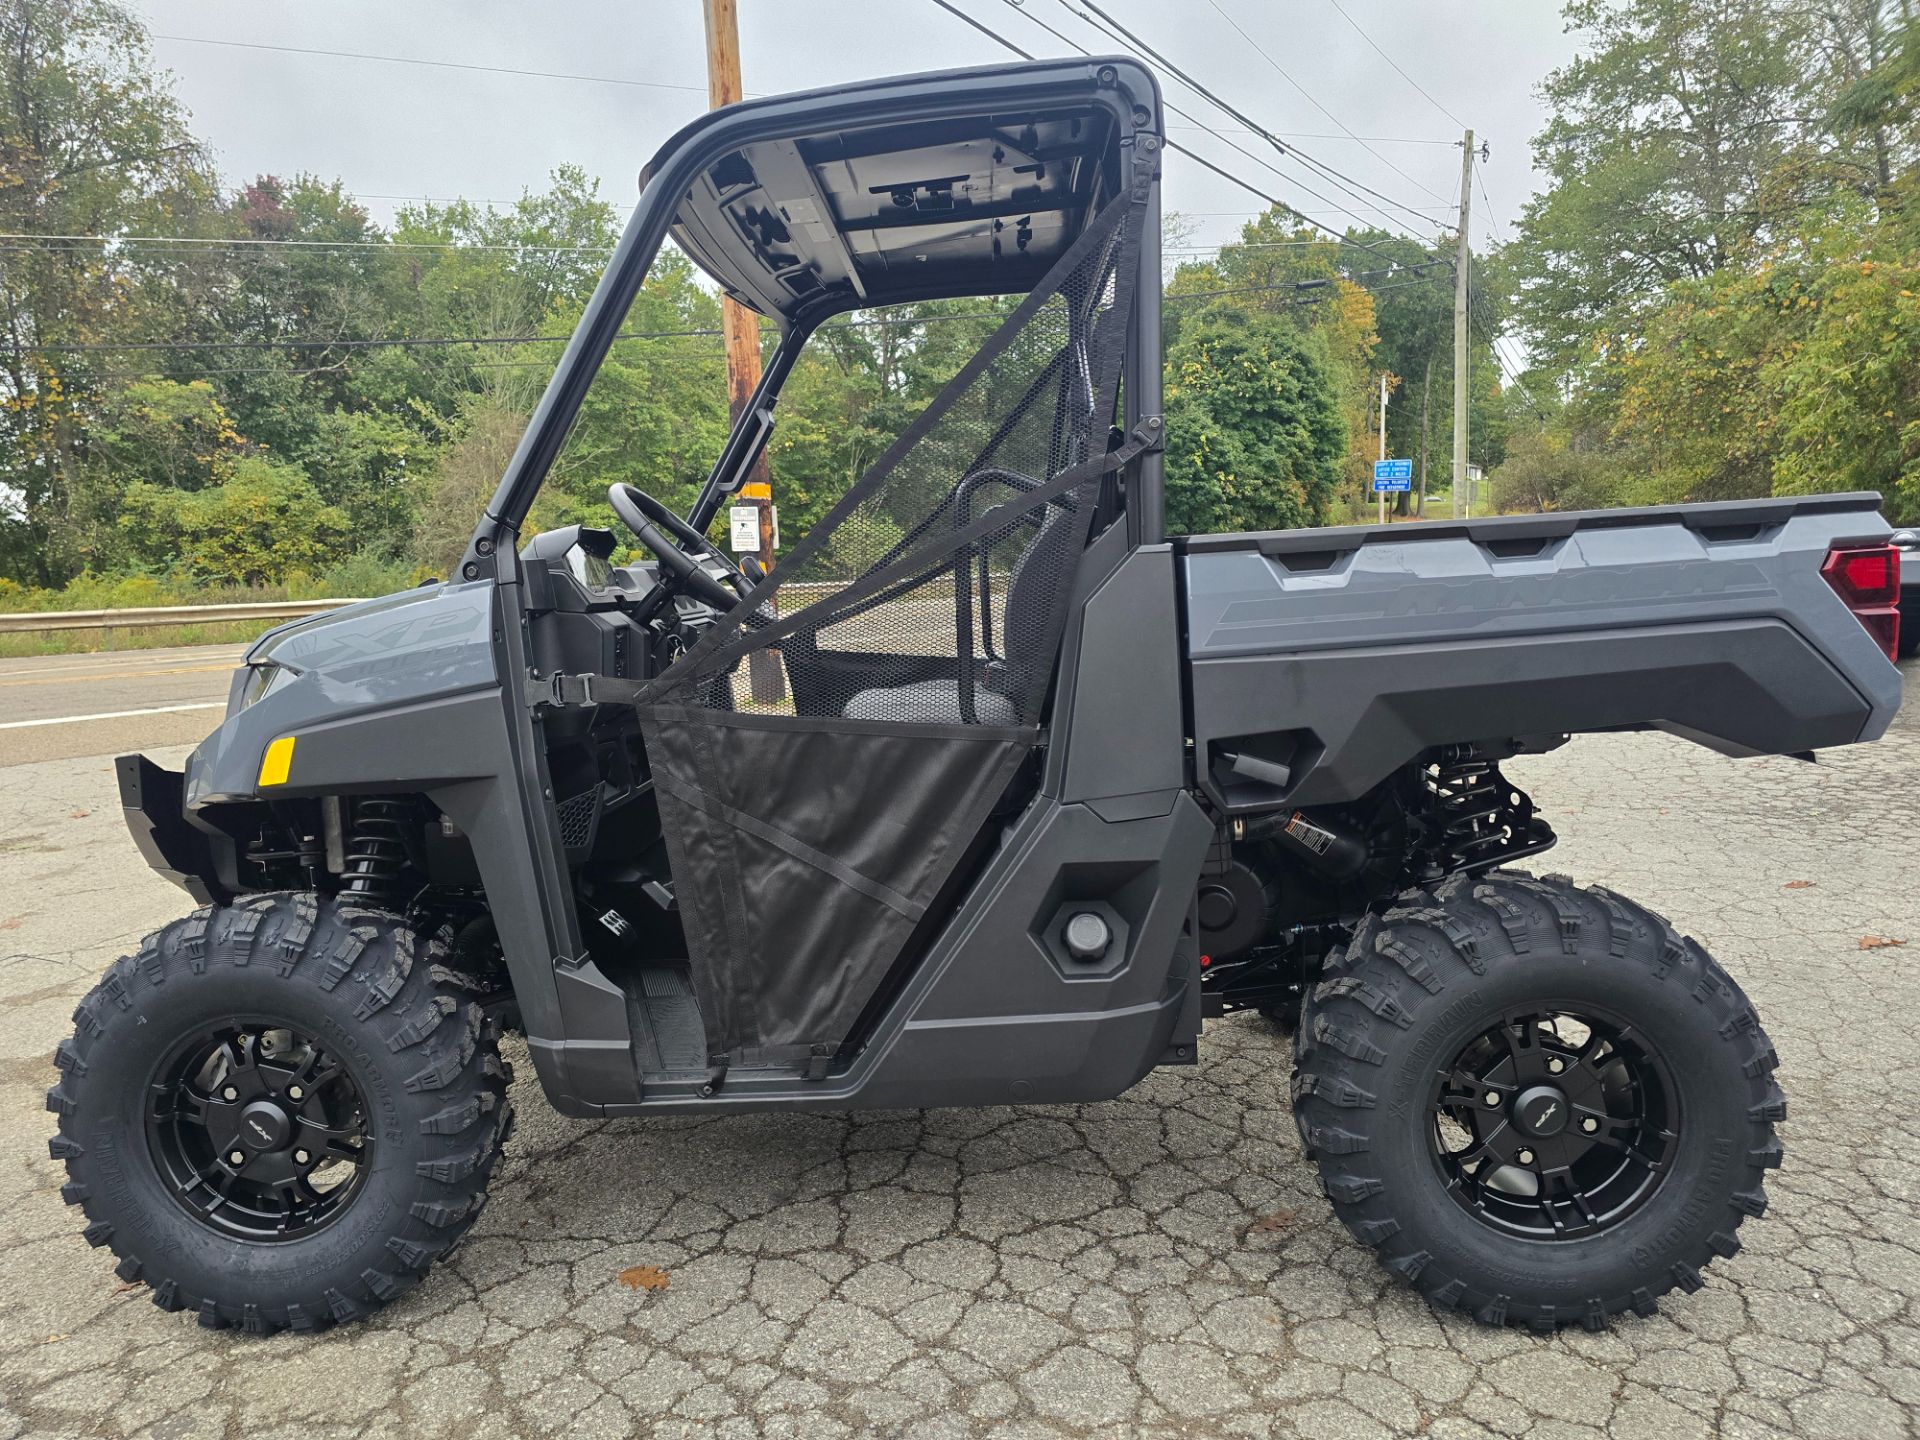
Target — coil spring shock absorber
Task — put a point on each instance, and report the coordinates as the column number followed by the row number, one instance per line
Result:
column 1483, row 818
column 376, row 850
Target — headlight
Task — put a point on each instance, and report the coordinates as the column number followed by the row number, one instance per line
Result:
column 264, row 679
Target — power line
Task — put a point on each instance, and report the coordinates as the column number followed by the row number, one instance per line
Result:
column 1493, row 219
column 338, row 367
column 1493, row 341
column 1347, row 210
column 26, row 243
column 1506, row 371
column 617, row 80
column 1323, row 287
column 402, row 342
column 1334, row 236
column 436, row 64
column 216, row 242
column 485, row 200
column 1199, row 159
column 1283, row 134
column 1316, row 284
column 1117, row 32
column 1194, row 155
column 1275, row 64
column 1396, row 65
column 1221, row 171
column 1256, row 214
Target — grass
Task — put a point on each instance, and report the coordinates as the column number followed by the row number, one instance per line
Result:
column 360, row 575
column 155, row 637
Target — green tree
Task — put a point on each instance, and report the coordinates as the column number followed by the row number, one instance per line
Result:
column 1664, row 152
column 91, row 143
column 1794, row 372
column 262, row 524
column 1548, row 469
column 655, row 415
column 1255, row 437
column 163, row 432
column 1413, row 315
column 155, row 433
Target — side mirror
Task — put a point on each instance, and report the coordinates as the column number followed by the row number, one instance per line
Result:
column 1905, row 539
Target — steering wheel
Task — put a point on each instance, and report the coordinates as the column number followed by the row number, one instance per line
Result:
column 677, row 544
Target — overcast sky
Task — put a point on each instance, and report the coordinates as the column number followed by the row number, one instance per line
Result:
column 392, row 131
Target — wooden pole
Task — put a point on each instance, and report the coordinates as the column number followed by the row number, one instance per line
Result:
column 1463, row 260
column 742, row 326
column 1426, row 414
column 741, row 329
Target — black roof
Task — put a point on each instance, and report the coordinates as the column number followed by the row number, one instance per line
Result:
column 915, row 195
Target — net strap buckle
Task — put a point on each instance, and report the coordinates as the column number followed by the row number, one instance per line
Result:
column 571, row 691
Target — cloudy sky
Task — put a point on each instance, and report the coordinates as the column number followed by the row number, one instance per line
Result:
column 1307, row 69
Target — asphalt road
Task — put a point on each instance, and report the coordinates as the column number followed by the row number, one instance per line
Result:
column 53, row 707
column 1160, row 1263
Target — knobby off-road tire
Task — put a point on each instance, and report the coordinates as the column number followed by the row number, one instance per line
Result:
column 1283, row 1015
column 1420, row 982
column 396, row 1039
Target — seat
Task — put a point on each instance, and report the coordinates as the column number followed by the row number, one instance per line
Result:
column 931, row 702
column 937, row 702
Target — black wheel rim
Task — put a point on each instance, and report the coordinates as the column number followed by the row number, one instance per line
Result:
column 259, row 1132
column 1554, row 1123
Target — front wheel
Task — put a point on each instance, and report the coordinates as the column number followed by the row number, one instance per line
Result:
column 1536, row 1102
column 279, row 1113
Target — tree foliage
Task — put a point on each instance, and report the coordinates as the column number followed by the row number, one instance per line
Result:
column 1722, row 273
column 216, row 384
column 1255, row 437
column 262, row 523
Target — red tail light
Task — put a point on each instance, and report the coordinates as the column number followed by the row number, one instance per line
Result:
column 1867, row 578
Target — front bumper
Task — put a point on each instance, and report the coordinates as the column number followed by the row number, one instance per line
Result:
column 153, row 801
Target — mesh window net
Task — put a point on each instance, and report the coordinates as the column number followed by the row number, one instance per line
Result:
column 917, row 624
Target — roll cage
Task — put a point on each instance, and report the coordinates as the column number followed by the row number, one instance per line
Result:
column 966, row 183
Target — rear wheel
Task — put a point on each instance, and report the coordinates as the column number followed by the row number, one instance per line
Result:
column 1535, row 1102
column 279, row 1113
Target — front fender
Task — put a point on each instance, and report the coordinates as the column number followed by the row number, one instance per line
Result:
column 403, row 697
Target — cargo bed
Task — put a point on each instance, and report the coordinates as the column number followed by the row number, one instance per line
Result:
column 1337, row 655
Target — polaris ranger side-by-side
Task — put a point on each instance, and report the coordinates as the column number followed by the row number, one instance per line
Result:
column 991, row 792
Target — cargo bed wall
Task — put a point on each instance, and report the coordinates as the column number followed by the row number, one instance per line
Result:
column 1341, row 654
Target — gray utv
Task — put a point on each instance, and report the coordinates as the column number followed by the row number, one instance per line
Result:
column 991, row 793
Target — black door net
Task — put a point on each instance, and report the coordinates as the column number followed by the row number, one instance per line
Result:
column 918, row 625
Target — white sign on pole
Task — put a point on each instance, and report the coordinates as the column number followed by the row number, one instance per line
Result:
column 743, row 523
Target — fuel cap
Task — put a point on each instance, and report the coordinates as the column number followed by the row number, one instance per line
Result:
column 1087, row 936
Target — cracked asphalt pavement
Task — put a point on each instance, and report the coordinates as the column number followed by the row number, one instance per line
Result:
column 1160, row 1264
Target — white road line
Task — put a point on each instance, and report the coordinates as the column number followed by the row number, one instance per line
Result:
column 112, row 715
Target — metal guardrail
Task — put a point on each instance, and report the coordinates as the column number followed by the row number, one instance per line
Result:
column 21, row 622
column 32, row 621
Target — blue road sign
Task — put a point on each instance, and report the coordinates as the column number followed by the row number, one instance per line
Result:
column 1392, row 476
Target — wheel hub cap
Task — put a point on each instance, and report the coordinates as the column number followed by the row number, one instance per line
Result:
column 1541, row 1111
column 264, row 1126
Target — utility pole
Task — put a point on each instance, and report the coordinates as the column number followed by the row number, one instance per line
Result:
column 1463, row 259
column 1383, row 440
column 1426, row 415
column 741, row 328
